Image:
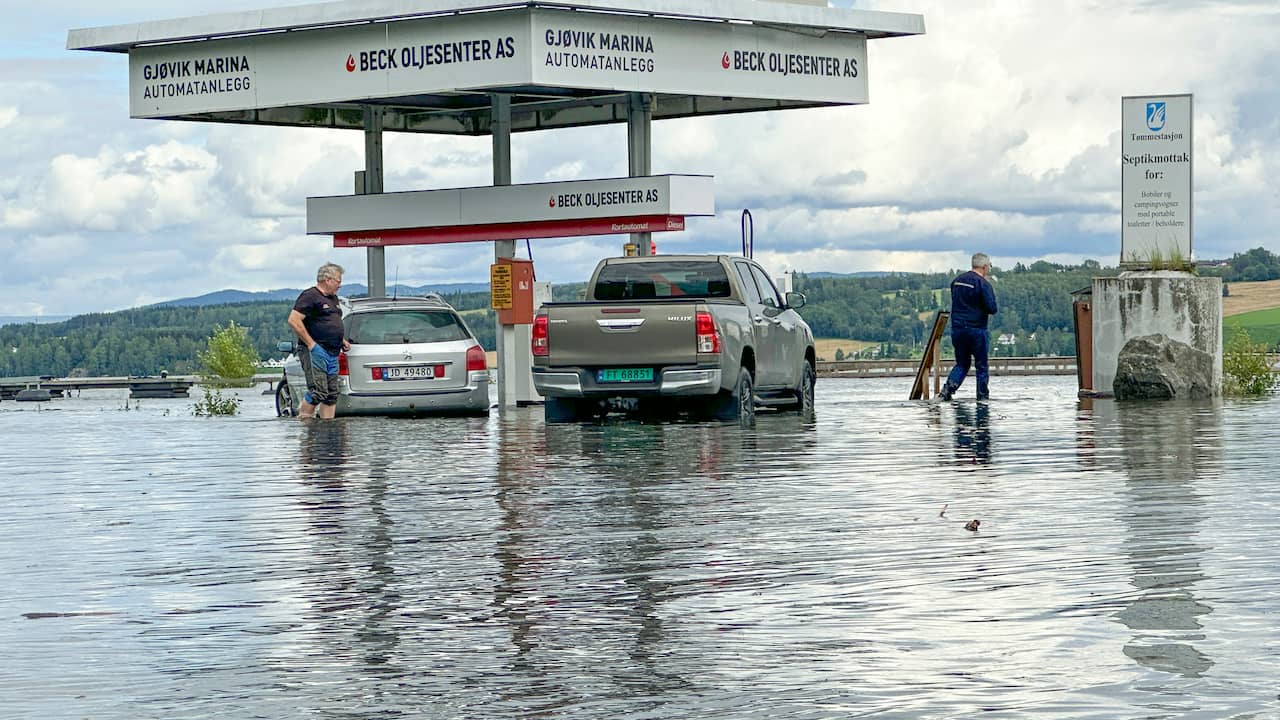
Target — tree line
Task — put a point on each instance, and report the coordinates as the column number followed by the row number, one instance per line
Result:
column 148, row 340
column 895, row 311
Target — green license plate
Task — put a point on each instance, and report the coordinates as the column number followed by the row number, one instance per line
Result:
column 624, row 375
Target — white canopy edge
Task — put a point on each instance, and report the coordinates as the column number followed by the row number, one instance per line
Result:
column 804, row 18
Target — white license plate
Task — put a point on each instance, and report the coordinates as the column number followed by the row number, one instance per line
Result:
column 412, row 372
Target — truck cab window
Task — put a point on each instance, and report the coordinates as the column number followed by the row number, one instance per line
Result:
column 748, row 283
column 768, row 292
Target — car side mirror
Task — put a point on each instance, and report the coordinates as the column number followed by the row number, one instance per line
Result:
column 286, row 346
column 795, row 300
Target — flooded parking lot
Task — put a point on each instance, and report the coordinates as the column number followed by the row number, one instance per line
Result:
column 165, row 565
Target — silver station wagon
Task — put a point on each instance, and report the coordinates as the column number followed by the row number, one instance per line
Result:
column 408, row 356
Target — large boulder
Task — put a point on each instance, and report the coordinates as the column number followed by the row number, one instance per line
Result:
column 1154, row 367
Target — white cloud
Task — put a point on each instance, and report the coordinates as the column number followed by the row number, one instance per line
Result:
column 1001, row 140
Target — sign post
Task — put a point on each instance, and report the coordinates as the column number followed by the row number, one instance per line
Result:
column 1156, row 182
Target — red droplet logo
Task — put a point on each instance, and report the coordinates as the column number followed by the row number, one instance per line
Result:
column 724, row 61
column 553, row 201
column 351, row 63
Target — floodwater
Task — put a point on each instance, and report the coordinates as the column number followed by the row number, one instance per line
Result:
column 162, row 565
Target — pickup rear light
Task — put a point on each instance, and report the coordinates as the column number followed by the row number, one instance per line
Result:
column 708, row 333
column 344, row 368
column 475, row 359
column 540, row 346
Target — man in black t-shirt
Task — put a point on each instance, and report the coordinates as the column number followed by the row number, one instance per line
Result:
column 317, row 319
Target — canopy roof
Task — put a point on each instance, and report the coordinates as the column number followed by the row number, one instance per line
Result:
column 694, row 57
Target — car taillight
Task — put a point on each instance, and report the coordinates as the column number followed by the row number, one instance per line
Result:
column 539, row 344
column 343, row 367
column 708, row 334
column 376, row 373
column 476, row 359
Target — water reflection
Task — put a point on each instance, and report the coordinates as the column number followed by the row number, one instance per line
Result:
column 323, row 454
column 350, row 532
column 1167, row 449
column 606, row 517
column 973, row 432
column 499, row 568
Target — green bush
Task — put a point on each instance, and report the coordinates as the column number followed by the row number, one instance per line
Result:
column 1245, row 370
column 230, row 359
column 215, row 403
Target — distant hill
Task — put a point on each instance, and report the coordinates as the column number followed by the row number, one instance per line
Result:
column 864, row 274
column 225, row 297
column 20, row 319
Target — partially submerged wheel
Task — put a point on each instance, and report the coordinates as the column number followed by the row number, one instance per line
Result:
column 738, row 405
column 284, row 399
column 804, row 393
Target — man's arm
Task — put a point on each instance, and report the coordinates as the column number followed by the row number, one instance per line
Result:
column 989, row 296
column 295, row 322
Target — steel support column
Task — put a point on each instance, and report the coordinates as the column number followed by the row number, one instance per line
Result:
column 509, row 357
column 376, row 258
column 640, row 151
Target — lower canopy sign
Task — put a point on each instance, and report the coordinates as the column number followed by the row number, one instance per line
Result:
column 538, row 210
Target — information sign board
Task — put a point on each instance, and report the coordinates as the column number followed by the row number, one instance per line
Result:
column 500, row 286
column 1156, row 181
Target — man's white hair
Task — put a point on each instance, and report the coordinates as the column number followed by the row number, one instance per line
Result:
column 334, row 271
column 980, row 260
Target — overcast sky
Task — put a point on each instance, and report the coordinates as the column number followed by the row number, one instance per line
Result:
column 997, row 131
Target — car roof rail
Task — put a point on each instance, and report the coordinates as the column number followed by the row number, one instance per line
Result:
column 430, row 297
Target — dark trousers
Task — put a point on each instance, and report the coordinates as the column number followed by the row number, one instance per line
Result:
column 971, row 350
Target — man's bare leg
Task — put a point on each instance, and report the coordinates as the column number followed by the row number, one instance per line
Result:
column 306, row 410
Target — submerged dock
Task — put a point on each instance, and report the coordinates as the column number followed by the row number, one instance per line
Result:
column 888, row 368
column 149, row 386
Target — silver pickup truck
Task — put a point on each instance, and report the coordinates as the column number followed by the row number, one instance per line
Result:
column 705, row 333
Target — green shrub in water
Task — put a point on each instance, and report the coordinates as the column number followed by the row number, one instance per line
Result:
column 230, row 359
column 1245, row 370
column 215, row 403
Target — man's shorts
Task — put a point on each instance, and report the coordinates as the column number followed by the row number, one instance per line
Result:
column 321, row 371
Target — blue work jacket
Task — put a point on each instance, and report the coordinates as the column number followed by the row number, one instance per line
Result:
column 972, row 300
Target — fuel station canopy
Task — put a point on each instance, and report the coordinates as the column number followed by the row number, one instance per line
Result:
column 432, row 66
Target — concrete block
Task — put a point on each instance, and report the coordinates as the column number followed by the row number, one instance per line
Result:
column 1177, row 305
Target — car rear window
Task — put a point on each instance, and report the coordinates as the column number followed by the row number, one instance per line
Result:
column 675, row 278
column 405, row 326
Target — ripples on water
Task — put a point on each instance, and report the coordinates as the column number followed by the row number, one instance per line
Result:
column 163, row 565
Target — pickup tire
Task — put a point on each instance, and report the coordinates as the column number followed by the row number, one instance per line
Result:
column 738, row 405
column 804, row 393
column 563, row 410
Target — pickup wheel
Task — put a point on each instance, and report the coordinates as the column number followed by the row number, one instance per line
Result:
column 804, row 393
column 737, row 406
column 563, row 410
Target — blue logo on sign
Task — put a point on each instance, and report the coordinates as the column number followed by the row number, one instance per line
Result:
column 1155, row 116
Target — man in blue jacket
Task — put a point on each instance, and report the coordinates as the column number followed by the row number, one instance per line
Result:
column 972, row 301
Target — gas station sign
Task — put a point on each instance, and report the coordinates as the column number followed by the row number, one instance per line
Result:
column 528, row 47
column 565, row 209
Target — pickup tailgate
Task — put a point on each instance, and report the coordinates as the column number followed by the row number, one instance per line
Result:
column 651, row 333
